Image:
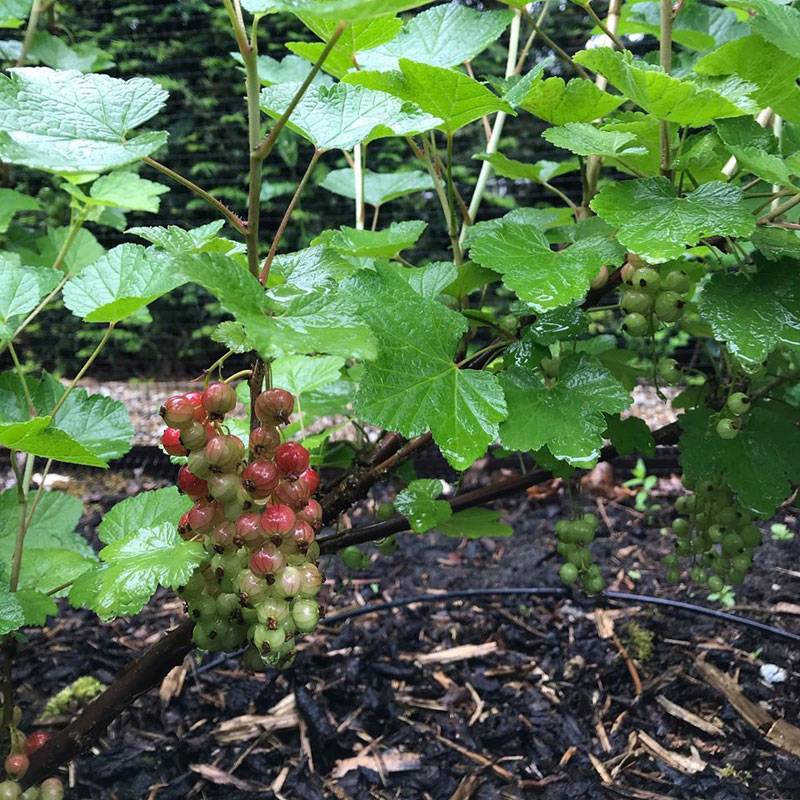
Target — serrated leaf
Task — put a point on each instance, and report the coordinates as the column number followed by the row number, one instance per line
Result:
column 517, row 248
column 443, row 36
column 350, row 10
column 414, row 386
column 344, row 115
column 127, row 190
column 431, row 280
column 566, row 417
column 567, row 322
column 53, row 51
column 290, row 69
column 21, row 289
column 379, row 187
column 655, row 223
column 310, row 269
column 759, row 465
column 584, row 139
column 630, row 435
column 665, row 96
column 753, row 60
column 63, row 121
column 302, row 374
column 776, row 22
column 386, row 243
column 133, row 567
column 12, row 202
column 233, row 336
column 418, row 504
column 539, row 172
column 476, row 523
column 123, row 281
column 84, row 250
column 24, row 608
column 752, row 315
column 755, row 149
column 46, row 569
column 144, row 510
column 776, row 243
column 558, row 102
column 179, row 241
column 446, row 94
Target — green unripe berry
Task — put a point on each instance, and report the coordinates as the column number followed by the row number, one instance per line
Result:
column 739, row 403
column 668, row 306
column 727, row 429
column 698, row 575
column 580, row 557
column 565, row 548
column 352, row 557
column 564, row 530
column 305, row 614
column 568, row 573
column 636, row 324
column 716, row 533
column 731, row 544
column 670, row 560
column 635, row 301
column 676, row 281
column 266, row 639
column 680, row 527
column 715, row 583
column 646, row 278
column 584, row 532
column 668, row 370
column 686, row 504
column 751, row 535
column 673, row 575
column 594, row 584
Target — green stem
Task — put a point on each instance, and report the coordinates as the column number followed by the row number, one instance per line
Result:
column 84, row 369
column 23, row 489
column 254, row 134
column 780, row 210
column 358, row 178
column 562, row 54
column 39, row 491
column 451, row 198
column 21, row 375
column 612, row 34
column 244, row 373
column 665, row 58
column 30, row 32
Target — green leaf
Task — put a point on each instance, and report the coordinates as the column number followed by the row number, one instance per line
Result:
column 379, row 187
column 655, row 223
column 755, row 149
column 178, row 241
column 47, row 569
column 53, row 51
column 453, row 97
column 24, row 609
column 21, row 289
column 577, row 101
column 775, row 22
column 516, row 247
column 290, row 69
column 776, row 243
column 84, row 250
column 666, row 96
column 475, row 523
column 759, row 465
column 350, row 10
column 120, row 283
column 630, row 435
column 127, row 190
column 584, row 139
column 540, row 172
column 302, row 374
column 133, row 567
column 418, row 504
column 144, row 510
column 431, row 280
column 566, row 417
column 63, row 121
column 414, row 386
column 343, row 115
column 443, row 36
column 386, row 243
column 753, row 60
column 567, row 322
column 311, row 268
column 11, row 202
column 752, row 315
column 233, row 336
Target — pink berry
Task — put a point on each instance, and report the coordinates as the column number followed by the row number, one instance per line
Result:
column 196, row 399
column 310, row 477
column 36, row 740
column 294, row 494
column 264, row 441
column 302, row 535
column 17, row 765
column 191, row 485
column 248, row 528
column 312, row 514
column 278, row 520
column 291, row 459
column 224, row 535
column 202, row 516
column 266, row 562
column 177, row 411
column 219, row 399
column 171, row 442
column 274, row 406
column 224, row 453
column 260, row 478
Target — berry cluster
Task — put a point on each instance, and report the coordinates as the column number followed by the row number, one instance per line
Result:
column 648, row 298
column 574, row 540
column 715, row 534
column 732, row 416
column 255, row 515
column 16, row 765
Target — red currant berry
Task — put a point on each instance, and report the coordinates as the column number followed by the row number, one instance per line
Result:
column 266, row 562
column 177, row 411
column 291, row 459
column 195, row 436
column 224, row 535
column 294, row 494
column 260, row 478
column 224, row 453
column 248, row 528
column 278, row 519
column 171, row 442
column 17, row 765
column 219, row 399
column 264, row 441
column 302, row 535
column 191, row 485
column 312, row 514
column 202, row 516
column 274, row 405
column 36, row 740
column 196, row 399
column 310, row 477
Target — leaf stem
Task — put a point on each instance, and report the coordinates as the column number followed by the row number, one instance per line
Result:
column 30, row 32
column 780, row 210
column 24, row 489
column 21, row 375
column 287, row 216
column 610, row 32
column 358, row 178
column 665, row 59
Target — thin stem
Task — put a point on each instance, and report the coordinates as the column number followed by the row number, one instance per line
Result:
column 375, row 215
column 60, row 588
column 780, row 210
column 236, row 221
column 561, row 194
column 244, row 373
column 30, row 32
column 562, row 54
column 610, row 32
column 24, row 490
column 39, row 491
column 253, row 84
column 265, row 148
column 451, row 198
column 358, row 179
column 287, row 216
column 84, row 369
column 21, row 375
column 665, row 59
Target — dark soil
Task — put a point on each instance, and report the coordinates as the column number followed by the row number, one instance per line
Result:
column 544, row 707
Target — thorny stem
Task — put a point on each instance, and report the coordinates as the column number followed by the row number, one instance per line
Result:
column 665, row 58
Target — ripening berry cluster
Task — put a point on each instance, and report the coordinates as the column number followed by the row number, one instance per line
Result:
column 17, row 763
column 648, row 298
column 732, row 417
column 574, row 540
column 255, row 515
column 715, row 535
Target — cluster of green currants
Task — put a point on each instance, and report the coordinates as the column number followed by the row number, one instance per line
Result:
column 16, row 765
column 256, row 517
column 574, row 540
column 648, row 298
column 732, row 417
column 717, row 536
